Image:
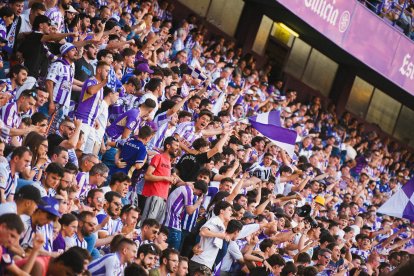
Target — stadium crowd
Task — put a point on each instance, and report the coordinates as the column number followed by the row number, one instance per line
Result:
column 126, row 149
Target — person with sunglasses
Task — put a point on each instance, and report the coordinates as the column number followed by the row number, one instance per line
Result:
column 67, row 136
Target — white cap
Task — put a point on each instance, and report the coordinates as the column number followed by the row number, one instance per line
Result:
column 71, row 9
column 66, row 48
column 210, row 61
column 249, row 92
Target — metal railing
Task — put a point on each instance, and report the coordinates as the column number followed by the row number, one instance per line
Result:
column 393, row 12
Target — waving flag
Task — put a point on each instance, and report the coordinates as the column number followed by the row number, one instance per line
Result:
column 268, row 118
column 269, row 125
column 196, row 73
column 401, row 204
column 219, row 103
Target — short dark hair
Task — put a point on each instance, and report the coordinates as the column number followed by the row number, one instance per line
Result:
column 265, row 244
column 134, row 269
column 92, row 192
column 153, row 84
column 82, row 215
column 145, row 132
column 102, row 53
column 200, row 143
column 12, row 222
column 149, row 103
column 201, row 185
column 169, row 141
column 20, row 151
column 303, row 258
column 276, row 259
column 205, row 112
column 128, row 52
column 150, row 223
column 221, row 205
column 109, row 196
column 40, row 19
column 119, row 177
column 146, row 249
column 167, row 253
column 55, row 168
column 234, row 226
column 38, row 117
column 15, row 69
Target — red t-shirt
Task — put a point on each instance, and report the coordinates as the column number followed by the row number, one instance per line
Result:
column 162, row 165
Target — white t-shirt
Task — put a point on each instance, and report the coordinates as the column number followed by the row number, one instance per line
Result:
column 210, row 246
column 233, row 254
column 8, row 208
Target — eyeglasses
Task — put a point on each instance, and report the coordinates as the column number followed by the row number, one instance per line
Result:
column 93, row 162
column 69, row 127
column 100, row 199
column 117, row 204
column 103, row 176
column 174, row 261
column 327, row 257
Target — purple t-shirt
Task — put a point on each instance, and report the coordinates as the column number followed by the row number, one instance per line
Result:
column 129, row 120
column 88, row 106
column 59, row 243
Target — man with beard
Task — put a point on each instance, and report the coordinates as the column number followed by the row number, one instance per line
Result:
column 83, row 66
column 86, row 226
column 59, row 82
column 158, row 179
column 66, row 136
column 168, row 263
column 147, row 256
column 88, row 106
column 17, row 76
column 112, row 210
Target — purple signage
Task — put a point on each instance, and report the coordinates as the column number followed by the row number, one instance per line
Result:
column 361, row 33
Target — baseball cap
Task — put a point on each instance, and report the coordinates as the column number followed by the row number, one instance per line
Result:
column 320, row 200
column 248, row 215
column 29, row 192
column 249, row 92
column 210, row 61
column 51, row 205
column 71, row 9
column 66, row 48
column 144, row 67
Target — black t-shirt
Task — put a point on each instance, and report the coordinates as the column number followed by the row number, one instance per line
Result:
column 34, row 55
column 189, row 165
column 54, row 140
column 83, row 69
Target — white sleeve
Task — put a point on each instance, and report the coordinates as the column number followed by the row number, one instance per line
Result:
column 4, row 174
column 54, row 72
column 234, row 251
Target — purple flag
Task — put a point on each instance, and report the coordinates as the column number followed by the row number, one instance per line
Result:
column 400, row 205
column 282, row 137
